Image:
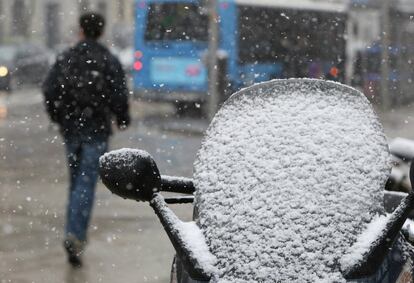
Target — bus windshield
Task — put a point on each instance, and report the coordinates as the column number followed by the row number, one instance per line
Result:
column 177, row 22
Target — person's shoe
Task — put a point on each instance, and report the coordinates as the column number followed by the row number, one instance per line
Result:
column 74, row 249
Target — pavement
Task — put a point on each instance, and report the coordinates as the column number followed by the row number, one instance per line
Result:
column 126, row 240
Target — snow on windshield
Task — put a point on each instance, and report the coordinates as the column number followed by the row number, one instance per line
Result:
column 289, row 173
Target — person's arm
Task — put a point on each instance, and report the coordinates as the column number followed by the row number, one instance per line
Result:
column 118, row 93
column 51, row 92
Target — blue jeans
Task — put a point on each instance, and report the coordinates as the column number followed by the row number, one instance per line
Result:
column 83, row 160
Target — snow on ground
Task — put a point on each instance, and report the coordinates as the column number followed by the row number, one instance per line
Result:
column 289, row 173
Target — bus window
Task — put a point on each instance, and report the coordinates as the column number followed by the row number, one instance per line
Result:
column 177, row 22
column 374, row 61
column 258, row 39
column 297, row 38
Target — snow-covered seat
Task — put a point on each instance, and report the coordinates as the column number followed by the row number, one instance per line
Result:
column 290, row 172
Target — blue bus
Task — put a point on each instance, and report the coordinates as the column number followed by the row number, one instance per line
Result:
column 262, row 40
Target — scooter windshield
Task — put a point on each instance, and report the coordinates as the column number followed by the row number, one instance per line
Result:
column 289, row 174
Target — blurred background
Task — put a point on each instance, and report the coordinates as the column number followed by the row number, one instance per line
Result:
column 183, row 58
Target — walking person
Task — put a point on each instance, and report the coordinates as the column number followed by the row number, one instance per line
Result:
column 83, row 91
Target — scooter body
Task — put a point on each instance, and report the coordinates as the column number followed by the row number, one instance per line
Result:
column 288, row 187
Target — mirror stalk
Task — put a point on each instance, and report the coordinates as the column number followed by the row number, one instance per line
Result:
column 379, row 250
column 169, row 221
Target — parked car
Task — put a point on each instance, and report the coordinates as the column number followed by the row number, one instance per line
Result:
column 7, row 54
column 31, row 62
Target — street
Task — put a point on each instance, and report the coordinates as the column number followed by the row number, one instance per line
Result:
column 197, row 53
column 126, row 240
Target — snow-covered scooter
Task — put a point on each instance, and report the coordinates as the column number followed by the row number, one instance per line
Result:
column 287, row 187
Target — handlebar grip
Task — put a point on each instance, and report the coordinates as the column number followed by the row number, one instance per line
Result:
column 177, row 185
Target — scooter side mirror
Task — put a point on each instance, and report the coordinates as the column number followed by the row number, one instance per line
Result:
column 133, row 174
column 130, row 173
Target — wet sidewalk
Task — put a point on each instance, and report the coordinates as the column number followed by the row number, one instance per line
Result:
column 127, row 242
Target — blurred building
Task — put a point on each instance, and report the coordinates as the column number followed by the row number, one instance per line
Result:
column 55, row 22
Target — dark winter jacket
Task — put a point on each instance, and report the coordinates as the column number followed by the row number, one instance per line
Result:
column 85, row 88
